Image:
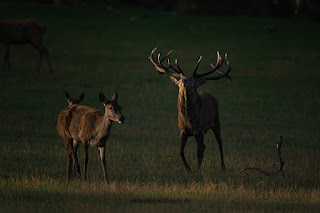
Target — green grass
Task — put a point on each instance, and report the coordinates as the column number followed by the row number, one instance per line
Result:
column 274, row 91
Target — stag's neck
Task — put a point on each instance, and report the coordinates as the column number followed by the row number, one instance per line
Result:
column 189, row 107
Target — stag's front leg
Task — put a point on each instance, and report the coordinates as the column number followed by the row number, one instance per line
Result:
column 183, row 139
column 103, row 163
column 200, row 148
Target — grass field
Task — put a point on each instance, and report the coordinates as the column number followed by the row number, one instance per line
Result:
column 274, row 91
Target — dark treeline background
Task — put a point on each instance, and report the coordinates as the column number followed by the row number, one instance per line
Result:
column 278, row 8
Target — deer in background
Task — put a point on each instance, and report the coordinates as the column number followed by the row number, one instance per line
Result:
column 65, row 116
column 89, row 127
column 197, row 112
column 20, row 32
column 73, row 101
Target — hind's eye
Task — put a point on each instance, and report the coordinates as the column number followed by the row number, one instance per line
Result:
column 111, row 107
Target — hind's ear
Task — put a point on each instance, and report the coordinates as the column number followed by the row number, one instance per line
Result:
column 67, row 96
column 81, row 97
column 115, row 96
column 103, row 99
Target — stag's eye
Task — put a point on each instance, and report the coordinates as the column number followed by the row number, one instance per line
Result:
column 111, row 108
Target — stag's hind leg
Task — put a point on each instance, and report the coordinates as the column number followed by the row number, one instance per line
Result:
column 183, row 139
column 217, row 134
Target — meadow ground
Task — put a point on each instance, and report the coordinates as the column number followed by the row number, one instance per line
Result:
column 274, row 91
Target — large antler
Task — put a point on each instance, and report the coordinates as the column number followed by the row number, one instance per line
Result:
column 215, row 69
column 165, row 70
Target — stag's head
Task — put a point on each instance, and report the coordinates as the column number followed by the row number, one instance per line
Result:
column 183, row 82
column 112, row 108
column 73, row 101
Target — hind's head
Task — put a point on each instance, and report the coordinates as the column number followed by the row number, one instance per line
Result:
column 112, row 108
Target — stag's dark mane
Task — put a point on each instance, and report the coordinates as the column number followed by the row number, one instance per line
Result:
column 189, row 105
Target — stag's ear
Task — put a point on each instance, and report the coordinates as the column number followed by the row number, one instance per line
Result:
column 174, row 80
column 67, row 96
column 115, row 97
column 103, row 99
column 81, row 97
column 201, row 81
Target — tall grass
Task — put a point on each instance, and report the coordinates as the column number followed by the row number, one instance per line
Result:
column 275, row 91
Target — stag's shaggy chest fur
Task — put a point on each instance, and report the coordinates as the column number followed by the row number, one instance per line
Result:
column 189, row 104
column 196, row 112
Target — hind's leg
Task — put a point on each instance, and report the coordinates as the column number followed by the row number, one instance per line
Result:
column 69, row 160
column 103, row 163
column 75, row 160
column 85, row 151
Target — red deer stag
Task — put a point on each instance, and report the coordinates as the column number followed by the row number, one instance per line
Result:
column 20, row 32
column 197, row 112
column 89, row 127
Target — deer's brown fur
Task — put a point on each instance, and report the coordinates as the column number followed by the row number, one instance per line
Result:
column 20, row 32
column 87, row 126
column 64, row 117
column 202, row 104
column 197, row 112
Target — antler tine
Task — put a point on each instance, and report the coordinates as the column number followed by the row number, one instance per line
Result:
column 172, row 67
column 222, row 75
column 159, row 66
column 180, row 70
column 215, row 68
column 166, row 55
column 195, row 70
column 151, row 56
column 159, row 59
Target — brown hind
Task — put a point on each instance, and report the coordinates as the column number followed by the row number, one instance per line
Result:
column 89, row 127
